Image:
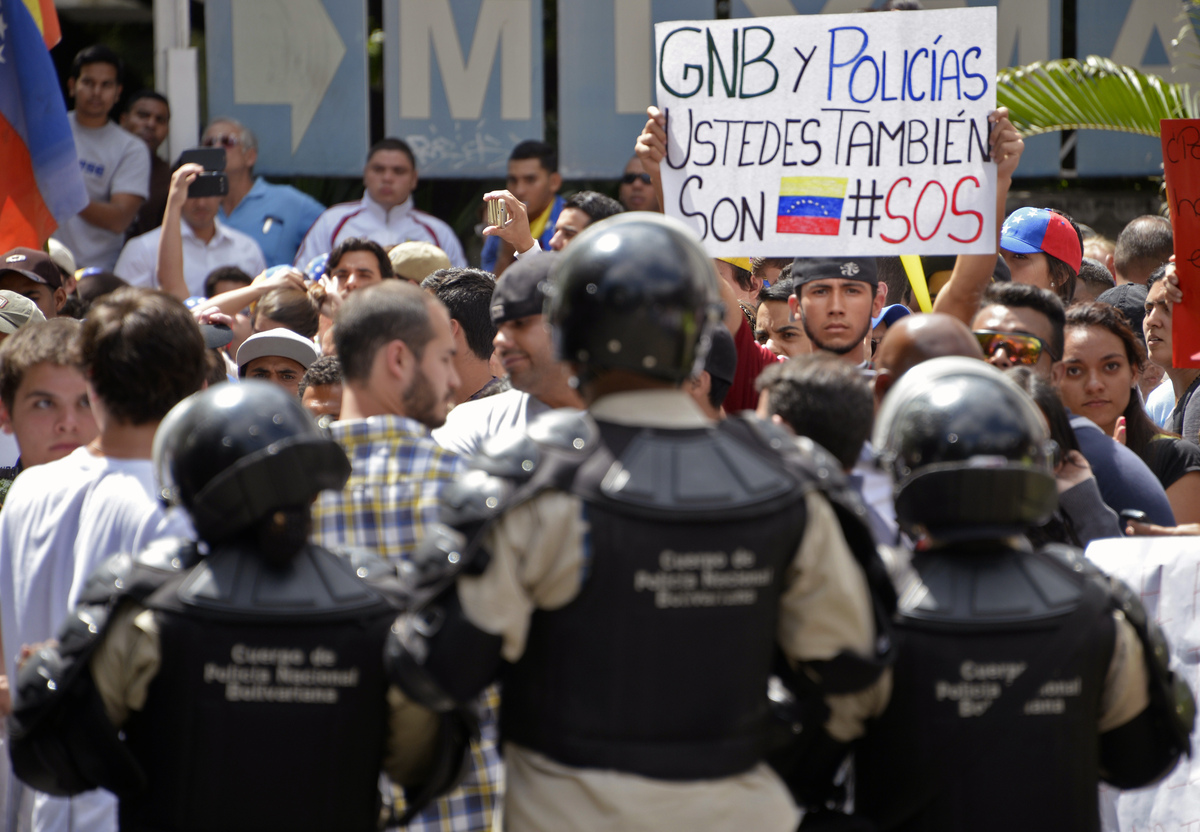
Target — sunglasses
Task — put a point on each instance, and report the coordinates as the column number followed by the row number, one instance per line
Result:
column 630, row 178
column 225, row 140
column 1024, row 350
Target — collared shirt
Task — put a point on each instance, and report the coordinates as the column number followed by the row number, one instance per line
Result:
column 277, row 217
column 491, row 246
column 390, row 500
column 138, row 263
column 367, row 218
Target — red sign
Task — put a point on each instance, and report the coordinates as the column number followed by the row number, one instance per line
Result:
column 1181, row 165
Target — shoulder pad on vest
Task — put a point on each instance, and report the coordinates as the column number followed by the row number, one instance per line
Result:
column 235, row 581
column 137, row 576
column 1022, row 587
column 565, row 429
column 512, row 455
column 439, row 556
column 366, row 564
column 690, row 473
column 473, row 498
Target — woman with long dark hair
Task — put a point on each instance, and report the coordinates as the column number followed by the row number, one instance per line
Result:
column 1102, row 361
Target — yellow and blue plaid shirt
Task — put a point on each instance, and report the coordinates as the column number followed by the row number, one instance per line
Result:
column 388, row 504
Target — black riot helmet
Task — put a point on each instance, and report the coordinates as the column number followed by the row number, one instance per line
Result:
column 235, row 454
column 634, row 292
column 969, row 452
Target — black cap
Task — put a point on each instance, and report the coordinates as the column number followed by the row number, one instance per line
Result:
column 216, row 335
column 1130, row 300
column 808, row 269
column 521, row 290
column 33, row 264
column 721, row 361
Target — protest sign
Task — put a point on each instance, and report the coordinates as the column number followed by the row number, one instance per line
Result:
column 819, row 135
column 1181, row 165
column 1165, row 573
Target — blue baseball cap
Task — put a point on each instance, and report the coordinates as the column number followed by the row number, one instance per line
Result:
column 1040, row 230
column 891, row 314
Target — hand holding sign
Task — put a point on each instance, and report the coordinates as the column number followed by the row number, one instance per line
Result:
column 821, row 135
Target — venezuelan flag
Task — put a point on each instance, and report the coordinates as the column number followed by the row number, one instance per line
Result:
column 810, row 205
column 40, row 182
column 46, row 18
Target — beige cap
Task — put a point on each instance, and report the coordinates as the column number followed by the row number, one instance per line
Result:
column 416, row 260
column 16, row 311
column 61, row 255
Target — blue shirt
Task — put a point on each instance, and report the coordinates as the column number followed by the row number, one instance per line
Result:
column 1125, row 481
column 491, row 246
column 277, row 217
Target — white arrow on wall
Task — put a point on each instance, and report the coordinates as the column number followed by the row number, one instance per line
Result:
column 285, row 52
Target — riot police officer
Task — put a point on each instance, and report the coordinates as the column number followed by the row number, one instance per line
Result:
column 237, row 683
column 1022, row 677
column 635, row 568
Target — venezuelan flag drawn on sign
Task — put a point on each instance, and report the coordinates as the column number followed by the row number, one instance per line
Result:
column 810, row 205
column 40, row 182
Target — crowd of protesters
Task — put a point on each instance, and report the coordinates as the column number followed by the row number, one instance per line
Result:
column 150, row 294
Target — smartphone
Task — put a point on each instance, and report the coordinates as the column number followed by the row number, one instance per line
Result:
column 209, row 158
column 213, row 182
column 497, row 212
column 1128, row 514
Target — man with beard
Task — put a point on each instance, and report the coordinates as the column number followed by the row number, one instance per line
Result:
column 836, row 298
column 540, row 381
column 397, row 351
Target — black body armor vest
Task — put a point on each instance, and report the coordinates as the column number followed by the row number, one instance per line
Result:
column 659, row 666
column 269, row 710
column 1001, row 662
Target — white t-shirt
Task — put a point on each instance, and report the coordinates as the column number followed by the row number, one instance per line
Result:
column 1161, row 402
column 138, row 263
column 469, row 424
column 112, row 161
column 61, row 520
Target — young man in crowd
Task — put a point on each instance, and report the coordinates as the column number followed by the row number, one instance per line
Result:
column 147, row 115
column 540, row 381
column 636, row 191
column 31, row 273
column 533, row 179
column 279, row 356
column 774, row 326
column 355, row 264
column 396, row 348
column 386, row 213
column 141, row 353
column 43, row 395
column 836, row 298
column 321, row 388
column 1184, row 418
column 203, row 243
column 115, row 164
column 467, row 294
column 1145, row 244
column 580, row 210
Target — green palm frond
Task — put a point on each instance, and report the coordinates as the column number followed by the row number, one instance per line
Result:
column 1093, row 94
